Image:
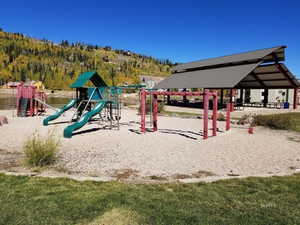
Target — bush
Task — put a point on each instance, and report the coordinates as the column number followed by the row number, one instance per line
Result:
column 160, row 107
column 248, row 119
column 286, row 121
column 40, row 151
column 221, row 117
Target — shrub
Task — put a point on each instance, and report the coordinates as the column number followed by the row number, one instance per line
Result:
column 221, row 117
column 247, row 119
column 160, row 107
column 286, row 121
column 40, row 151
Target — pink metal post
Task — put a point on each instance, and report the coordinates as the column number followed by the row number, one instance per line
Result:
column 19, row 95
column 295, row 98
column 215, row 112
column 31, row 91
column 155, row 112
column 228, row 116
column 205, row 114
column 143, row 110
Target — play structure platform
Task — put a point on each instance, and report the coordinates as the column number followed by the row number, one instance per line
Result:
column 31, row 100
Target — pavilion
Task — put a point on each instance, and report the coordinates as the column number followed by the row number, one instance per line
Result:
column 260, row 69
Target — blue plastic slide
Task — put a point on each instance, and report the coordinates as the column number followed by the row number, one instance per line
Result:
column 60, row 111
column 68, row 131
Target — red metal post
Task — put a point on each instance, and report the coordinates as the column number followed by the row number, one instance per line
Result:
column 295, row 98
column 228, row 116
column 215, row 112
column 155, row 112
column 205, row 114
column 143, row 109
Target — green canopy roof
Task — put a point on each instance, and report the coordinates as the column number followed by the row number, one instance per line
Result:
column 92, row 76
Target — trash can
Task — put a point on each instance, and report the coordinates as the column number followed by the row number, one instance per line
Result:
column 286, row 105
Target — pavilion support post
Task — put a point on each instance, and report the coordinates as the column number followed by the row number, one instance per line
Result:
column 215, row 114
column 205, row 114
column 266, row 96
column 168, row 98
column 184, row 98
column 143, row 110
column 155, row 112
column 231, row 94
column 222, row 98
column 242, row 96
column 295, row 98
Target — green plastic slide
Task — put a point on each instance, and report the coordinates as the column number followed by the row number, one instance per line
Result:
column 68, row 131
column 60, row 112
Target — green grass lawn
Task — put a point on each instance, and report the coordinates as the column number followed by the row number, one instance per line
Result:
column 25, row 200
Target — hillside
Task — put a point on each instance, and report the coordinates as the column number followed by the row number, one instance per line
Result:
column 58, row 65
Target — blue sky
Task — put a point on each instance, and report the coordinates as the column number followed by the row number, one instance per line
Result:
column 178, row 30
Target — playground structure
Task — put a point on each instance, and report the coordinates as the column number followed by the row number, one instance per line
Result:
column 91, row 101
column 206, row 96
column 105, row 102
column 31, row 100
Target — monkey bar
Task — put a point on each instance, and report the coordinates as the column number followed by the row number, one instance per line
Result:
column 206, row 95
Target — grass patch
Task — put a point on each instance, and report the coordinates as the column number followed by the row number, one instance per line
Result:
column 198, row 174
column 124, row 174
column 117, row 216
column 40, row 151
column 285, row 121
column 251, row 201
column 158, row 178
column 294, row 139
column 149, row 107
column 195, row 115
column 61, row 169
column 182, row 114
column 9, row 160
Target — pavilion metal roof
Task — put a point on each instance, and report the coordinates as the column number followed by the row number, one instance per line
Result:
column 257, row 69
column 263, row 56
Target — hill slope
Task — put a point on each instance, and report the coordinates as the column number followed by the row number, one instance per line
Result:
column 58, row 65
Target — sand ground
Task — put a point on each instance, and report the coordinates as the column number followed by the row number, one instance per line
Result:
column 177, row 148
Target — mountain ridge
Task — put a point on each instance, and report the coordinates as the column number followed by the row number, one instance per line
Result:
column 58, row 65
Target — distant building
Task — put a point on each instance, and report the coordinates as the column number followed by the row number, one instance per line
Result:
column 150, row 81
column 38, row 84
column 12, row 84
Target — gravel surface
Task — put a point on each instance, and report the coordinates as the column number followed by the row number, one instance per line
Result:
column 177, row 148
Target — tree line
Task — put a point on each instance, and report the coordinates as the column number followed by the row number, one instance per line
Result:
column 58, row 65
